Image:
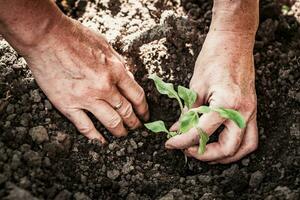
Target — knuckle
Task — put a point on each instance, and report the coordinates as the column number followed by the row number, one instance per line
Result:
column 140, row 97
column 119, row 68
column 127, row 111
column 114, row 121
column 228, row 151
column 231, row 99
column 86, row 129
column 105, row 88
column 233, row 102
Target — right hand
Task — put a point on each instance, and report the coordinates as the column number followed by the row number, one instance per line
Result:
column 79, row 71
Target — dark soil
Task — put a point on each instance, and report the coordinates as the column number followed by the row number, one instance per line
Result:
column 42, row 156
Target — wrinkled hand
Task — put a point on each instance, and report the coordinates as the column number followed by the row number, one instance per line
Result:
column 79, row 71
column 223, row 77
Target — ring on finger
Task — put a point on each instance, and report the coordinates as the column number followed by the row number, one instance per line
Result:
column 118, row 106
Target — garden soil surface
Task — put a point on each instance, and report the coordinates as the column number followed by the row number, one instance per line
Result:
column 42, row 156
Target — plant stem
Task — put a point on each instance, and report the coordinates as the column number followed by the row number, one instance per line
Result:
column 180, row 104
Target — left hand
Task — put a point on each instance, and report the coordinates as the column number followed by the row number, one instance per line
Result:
column 223, row 77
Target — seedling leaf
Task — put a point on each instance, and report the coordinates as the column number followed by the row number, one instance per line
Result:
column 202, row 141
column 157, row 126
column 163, row 87
column 189, row 96
column 232, row 115
column 203, row 109
column 187, row 121
column 171, row 134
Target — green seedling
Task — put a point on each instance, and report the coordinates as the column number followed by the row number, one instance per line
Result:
column 189, row 117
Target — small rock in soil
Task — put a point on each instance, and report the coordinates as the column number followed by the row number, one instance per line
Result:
column 283, row 192
column 81, row 196
column 176, row 192
column 15, row 161
column 132, row 196
column 256, row 179
column 25, row 182
column 35, row 96
column 32, row 158
column 63, row 195
column 204, row 179
column 39, row 134
column 17, row 193
column 48, row 105
column 127, row 168
column 167, row 197
column 245, row 161
column 113, row 174
column 133, row 144
column 207, row 196
column 3, row 178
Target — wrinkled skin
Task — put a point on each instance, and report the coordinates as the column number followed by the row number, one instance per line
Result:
column 81, row 72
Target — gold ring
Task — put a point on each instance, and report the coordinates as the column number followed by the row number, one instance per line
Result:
column 118, row 106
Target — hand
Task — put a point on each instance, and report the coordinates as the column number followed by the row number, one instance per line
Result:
column 79, row 71
column 223, row 77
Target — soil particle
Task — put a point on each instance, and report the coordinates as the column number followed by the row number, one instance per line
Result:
column 167, row 197
column 16, row 161
column 16, row 193
column 3, row 179
column 113, row 174
column 81, row 196
column 63, row 195
column 205, row 179
column 256, row 178
column 283, row 192
column 39, row 134
column 32, row 158
column 48, row 105
column 207, row 196
column 35, row 96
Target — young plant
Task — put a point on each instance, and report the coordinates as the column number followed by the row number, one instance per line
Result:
column 189, row 117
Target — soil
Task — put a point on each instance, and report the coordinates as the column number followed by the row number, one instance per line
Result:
column 42, row 156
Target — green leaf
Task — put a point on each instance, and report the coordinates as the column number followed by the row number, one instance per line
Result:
column 189, row 96
column 285, row 9
column 203, row 109
column 171, row 134
column 232, row 115
column 202, row 141
column 188, row 121
column 165, row 88
column 157, row 126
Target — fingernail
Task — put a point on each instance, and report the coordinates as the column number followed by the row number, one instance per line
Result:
column 169, row 146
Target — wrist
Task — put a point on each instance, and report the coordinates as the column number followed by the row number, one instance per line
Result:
column 31, row 25
column 239, row 16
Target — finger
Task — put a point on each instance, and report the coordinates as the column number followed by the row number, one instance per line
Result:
column 108, row 117
column 229, row 142
column 125, row 110
column 175, row 126
column 130, row 74
column 208, row 122
column 84, row 125
column 249, row 144
column 135, row 94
